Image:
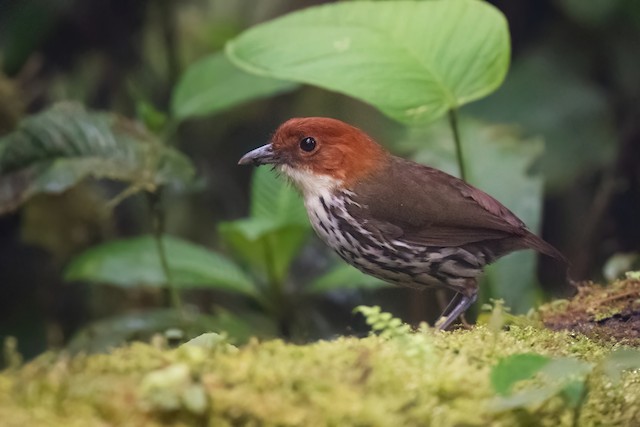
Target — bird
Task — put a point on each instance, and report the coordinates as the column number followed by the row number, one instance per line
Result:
column 397, row 220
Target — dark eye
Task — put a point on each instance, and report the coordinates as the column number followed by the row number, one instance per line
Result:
column 307, row 144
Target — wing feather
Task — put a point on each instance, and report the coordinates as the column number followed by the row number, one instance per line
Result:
column 422, row 205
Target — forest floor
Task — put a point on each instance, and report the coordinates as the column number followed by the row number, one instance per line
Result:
column 582, row 377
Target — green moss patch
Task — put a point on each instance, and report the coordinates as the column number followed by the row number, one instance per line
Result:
column 411, row 379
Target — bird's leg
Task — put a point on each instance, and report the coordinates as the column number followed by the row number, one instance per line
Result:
column 465, row 302
column 464, row 323
column 451, row 305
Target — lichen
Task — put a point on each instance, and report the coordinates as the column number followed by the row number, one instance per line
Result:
column 348, row 381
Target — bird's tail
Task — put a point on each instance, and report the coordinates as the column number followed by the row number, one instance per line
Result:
column 534, row 242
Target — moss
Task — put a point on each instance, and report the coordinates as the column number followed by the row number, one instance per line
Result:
column 605, row 313
column 422, row 378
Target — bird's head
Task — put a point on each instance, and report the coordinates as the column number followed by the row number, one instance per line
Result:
column 319, row 154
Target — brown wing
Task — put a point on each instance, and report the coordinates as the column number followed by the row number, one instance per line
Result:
column 423, row 205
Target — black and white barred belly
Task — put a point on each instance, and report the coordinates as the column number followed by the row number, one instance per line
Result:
column 391, row 260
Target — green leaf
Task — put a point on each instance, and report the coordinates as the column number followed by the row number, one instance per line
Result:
column 619, row 361
column 344, row 276
column 135, row 262
column 241, row 326
column 564, row 368
column 499, row 163
column 574, row 392
column 213, row 84
column 154, row 119
column 111, row 332
column 272, row 236
column 252, row 228
column 273, row 199
column 517, row 367
column 54, row 150
column 564, row 375
column 412, row 60
column 208, row 341
column 526, row 398
column 267, row 247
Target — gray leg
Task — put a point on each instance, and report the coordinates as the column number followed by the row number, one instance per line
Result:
column 465, row 302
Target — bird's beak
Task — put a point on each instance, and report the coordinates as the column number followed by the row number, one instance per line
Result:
column 260, row 156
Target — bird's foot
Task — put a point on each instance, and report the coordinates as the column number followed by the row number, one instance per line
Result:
column 448, row 318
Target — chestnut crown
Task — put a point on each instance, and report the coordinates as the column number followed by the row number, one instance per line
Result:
column 320, row 146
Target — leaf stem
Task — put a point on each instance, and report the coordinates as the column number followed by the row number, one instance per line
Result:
column 277, row 291
column 120, row 197
column 272, row 278
column 453, row 122
column 158, row 218
column 577, row 410
column 169, row 34
column 170, row 132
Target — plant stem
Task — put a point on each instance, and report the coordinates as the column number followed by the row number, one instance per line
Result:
column 169, row 34
column 274, row 284
column 577, row 411
column 453, row 122
column 277, row 292
column 157, row 213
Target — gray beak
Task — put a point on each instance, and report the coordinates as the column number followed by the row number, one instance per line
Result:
column 260, row 156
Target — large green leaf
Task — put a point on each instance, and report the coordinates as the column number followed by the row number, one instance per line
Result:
column 344, row 276
column 412, row 60
column 514, row 368
column 621, row 360
column 134, row 262
column 213, row 84
column 498, row 163
column 564, row 376
column 272, row 236
column 274, row 199
column 267, row 247
column 54, row 150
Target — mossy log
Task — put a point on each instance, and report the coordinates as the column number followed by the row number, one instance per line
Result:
column 419, row 378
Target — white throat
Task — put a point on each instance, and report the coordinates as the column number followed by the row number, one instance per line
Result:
column 310, row 184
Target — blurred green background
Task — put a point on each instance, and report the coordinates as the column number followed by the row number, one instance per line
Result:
column 559, row 143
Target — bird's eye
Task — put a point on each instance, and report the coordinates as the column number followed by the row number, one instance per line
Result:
column 307, row 144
